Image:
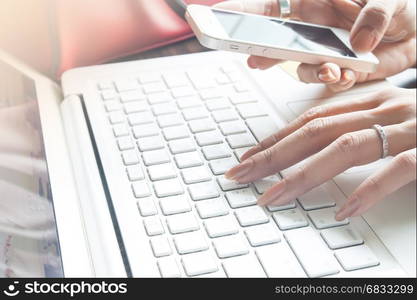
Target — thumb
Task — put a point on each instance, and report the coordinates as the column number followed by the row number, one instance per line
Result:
column 371, row 24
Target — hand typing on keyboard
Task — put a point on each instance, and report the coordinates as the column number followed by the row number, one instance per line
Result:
column 338, row 136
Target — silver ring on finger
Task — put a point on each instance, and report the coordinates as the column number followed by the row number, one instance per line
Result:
column 383, row 136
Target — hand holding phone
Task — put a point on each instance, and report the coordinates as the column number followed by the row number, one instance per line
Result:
column 397, row 41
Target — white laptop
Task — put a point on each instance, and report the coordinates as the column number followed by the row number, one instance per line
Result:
column 119, row 172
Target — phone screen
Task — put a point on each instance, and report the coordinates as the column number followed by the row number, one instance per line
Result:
column 282, row 34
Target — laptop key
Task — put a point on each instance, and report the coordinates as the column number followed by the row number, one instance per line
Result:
column 150, row 143
column 221, row 166
column 251, row 110
column 273, row 208
column 147, row 207
column 216, row 104
column 241, row 198
column 208, row 138
column 241, row 140
column 221, row 226
column 155, row 157
column 262, row 127
column 264, row 184
column 153, row 226
column 263, row 234
column 279, row 261
column 187, row 102
column 225, row 115
column 180, row 223
column 253, row 215
column 195, row 113
column 174, row 205
column 240, row 151
column 120, row 130
column 108, row 95
column 182, row 146
column 170, row 120
column 289, row 219
column 190, row 242
column 212, row 208
column 243, row 266
column 229, row 246
column 160, row 246
column 145, row 130
column 164, row 109
column 116, row 117
column 316, row 198
column 161, row 97
column 188, row 160
column 135, row 173
column 112, row 105
column 201, row 125
column 242, row 97
column 154, row 87
column 160, row 172
column 199, row 263
column 358, row 257
column 196, row 174
column 233, row 127
column 134, row 107
column 183, row 91
column 170, row 187
column 125, row 143
column 141, row 189
column 341, row 237
column 216, row 151
column 130, row 157
column 168, row 267
column 314, row 256
column 132, row 96
column 176, row 132
column 139, row 118
column 325, row 218
column 229, row 185
column 203, row 190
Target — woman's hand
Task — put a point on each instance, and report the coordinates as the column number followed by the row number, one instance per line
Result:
column 339, row 136
column 385, row 27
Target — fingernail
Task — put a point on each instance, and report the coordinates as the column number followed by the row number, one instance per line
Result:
column 240, row 170
column 326, row 75
column 348, row 76
column 272, row 194
column 364, row 40
column 252, row 64
column 348, row 209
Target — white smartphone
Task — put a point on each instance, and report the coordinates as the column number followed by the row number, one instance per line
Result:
column 276, row 38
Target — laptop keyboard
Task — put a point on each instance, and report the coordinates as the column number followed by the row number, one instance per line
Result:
column 178, row 133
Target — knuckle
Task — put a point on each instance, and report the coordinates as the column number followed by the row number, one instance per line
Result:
column 374, row 185
column 313, row 113
column 378, row 14
column 267, row 155
column 348, row 145
column 406, row 160
column 315, row 127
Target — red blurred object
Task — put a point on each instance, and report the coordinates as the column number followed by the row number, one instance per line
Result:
column 56, row 35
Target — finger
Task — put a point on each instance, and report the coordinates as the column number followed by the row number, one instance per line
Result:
column 306, row 141
column 260, row 7
column 371, row 24
column 351, row 149
column 263, row 63
column 399, row 172
column 347, row 80
column 370, row 102
column 325, row 73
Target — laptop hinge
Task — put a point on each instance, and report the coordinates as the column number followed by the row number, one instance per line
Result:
column 105, row 251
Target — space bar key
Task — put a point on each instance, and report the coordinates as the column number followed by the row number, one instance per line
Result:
column 312, row 253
